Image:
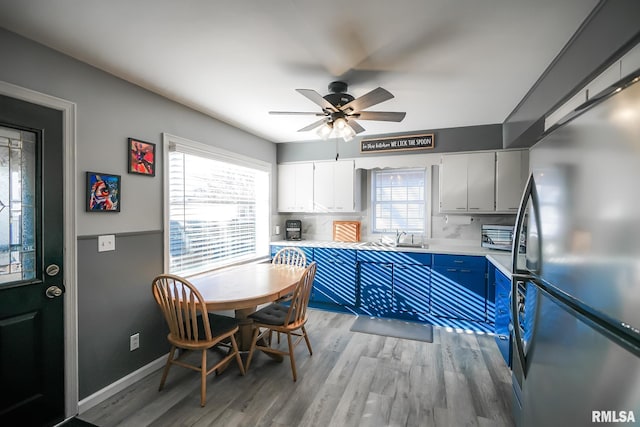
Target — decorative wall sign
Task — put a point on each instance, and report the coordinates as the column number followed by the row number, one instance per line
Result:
column 398, row 143
column 103, row 192
column 142, row 157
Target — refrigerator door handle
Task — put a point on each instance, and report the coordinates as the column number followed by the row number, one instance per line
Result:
column 519, row 276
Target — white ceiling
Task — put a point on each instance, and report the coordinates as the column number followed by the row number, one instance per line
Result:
column 449, row 63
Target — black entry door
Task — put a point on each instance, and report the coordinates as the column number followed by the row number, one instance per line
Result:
column 31, row 269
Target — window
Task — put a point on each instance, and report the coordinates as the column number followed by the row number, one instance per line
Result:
column 218, row 208
column 398, row 200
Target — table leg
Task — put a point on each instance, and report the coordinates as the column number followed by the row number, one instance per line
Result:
column 245, row 333
column 246, row 328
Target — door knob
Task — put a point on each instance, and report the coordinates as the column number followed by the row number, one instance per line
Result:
column 53, row 292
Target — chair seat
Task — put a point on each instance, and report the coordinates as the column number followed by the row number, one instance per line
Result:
column 221, row 324
column 273, row 314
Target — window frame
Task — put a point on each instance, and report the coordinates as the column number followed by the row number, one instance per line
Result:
column 186, row 146
column 426, row 232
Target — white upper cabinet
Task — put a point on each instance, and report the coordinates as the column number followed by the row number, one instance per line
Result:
column 483, row 182
column 336, row 187
column 481, row 173
column 295, row 187
column 467, row 182
column 512, row 169
column 453, row 183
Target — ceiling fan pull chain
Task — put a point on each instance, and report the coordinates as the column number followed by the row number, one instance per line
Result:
column 337, row 153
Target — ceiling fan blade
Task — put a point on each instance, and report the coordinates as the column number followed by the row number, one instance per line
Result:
column 355, row 126
column 374, row 97
column 384, row 116
column 297, row 113
column 313, row 125
column 318, row 99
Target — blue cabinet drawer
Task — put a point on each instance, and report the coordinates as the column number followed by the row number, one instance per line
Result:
column 394, row 257
column 502, row 281
column 460, row 261
column 337, row 256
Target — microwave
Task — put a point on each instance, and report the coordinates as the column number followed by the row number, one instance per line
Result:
column 497, row 237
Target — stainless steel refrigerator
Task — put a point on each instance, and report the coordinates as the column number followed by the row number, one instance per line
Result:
column 575, row 297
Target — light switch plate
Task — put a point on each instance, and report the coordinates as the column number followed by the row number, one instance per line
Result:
column 107, row 243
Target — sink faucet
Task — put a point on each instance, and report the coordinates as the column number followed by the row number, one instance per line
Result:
column 399, row 234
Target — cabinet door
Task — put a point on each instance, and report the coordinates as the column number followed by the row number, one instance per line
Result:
column 453, row 183
column 376, row 288
column 481, row 169
column 511, row 175
column 343, row 186
column 458, row 293
column 304, row 187
column 323, row 187
column 335, row 280
column 411, row 288
column 295, row 187
column 286, row 188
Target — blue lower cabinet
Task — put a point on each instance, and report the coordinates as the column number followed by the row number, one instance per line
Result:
column 502, row 316
column 376, row 288
column 411, row 288
column 458, row 292
column 335, row 281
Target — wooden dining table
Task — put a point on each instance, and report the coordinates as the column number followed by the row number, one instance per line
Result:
column 243, row 288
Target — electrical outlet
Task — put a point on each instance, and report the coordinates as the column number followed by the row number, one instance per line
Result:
column 107, row 243
column 134, row 342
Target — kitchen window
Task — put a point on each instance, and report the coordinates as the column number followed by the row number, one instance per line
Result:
column 398, row 200
column 217, row 208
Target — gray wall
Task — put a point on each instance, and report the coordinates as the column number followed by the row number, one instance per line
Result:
column 114, row 287
column 469, row 138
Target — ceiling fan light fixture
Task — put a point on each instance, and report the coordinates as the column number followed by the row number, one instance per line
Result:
column 348, row 133
column 324, row 131
column 340, row 124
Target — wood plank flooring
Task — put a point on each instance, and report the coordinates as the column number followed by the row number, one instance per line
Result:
column 352, row 379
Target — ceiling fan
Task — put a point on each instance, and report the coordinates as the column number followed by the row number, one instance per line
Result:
column 340, row 111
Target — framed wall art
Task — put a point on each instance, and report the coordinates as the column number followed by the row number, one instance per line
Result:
column 141, row 157
column 103, row 192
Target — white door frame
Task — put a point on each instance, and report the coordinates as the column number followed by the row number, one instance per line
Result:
column 70, row 233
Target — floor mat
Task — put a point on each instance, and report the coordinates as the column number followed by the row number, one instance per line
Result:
column 393, row 328
column 76, row 422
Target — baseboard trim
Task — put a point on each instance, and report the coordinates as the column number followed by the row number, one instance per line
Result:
column 124, row 382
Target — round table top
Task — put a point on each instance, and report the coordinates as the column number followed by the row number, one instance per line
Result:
column 246, row 286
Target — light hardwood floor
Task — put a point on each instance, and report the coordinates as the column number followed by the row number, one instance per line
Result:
column 352, row 379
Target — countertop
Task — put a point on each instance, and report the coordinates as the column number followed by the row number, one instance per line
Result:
column 501, row 259
column 502, row 262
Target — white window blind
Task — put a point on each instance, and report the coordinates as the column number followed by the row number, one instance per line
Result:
column 398, row 200
column 218, row 211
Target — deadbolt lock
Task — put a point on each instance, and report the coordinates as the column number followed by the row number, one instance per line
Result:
column 53, row 292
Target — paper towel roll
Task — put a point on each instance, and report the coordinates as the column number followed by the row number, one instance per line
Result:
column 458, row 219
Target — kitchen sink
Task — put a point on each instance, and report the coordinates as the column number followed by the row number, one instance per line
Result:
column 383, row 245
column 412, row 245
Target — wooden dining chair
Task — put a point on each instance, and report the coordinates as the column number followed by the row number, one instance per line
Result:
column 290, row 255
column 289, row 320
column 191, row 327
column 293, row 257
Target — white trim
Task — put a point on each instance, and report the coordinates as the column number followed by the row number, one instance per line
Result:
column 187, row 146
column 101, row 395
column 68, row 109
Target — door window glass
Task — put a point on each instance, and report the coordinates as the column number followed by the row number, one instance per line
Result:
column 17, row 205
